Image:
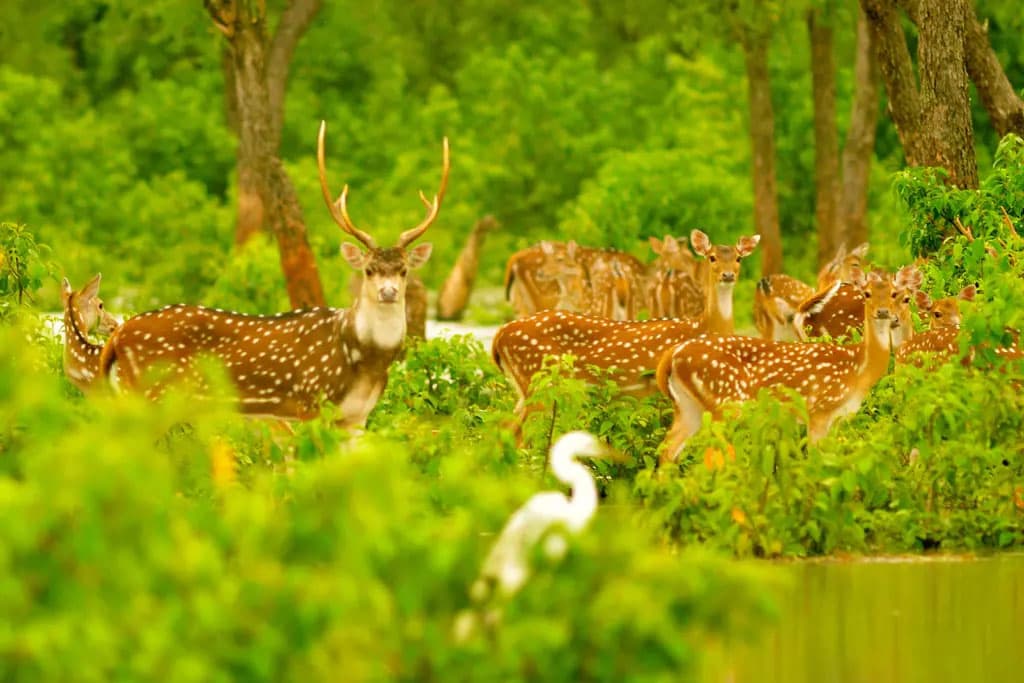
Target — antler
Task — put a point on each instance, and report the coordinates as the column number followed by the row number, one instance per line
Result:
column 339, row 208
column 433, row 207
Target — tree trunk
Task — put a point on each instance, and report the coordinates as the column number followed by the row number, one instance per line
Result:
column 254, row 157
column 297, row 260
column 826, row 136
column 898, row 74
column 454, row 294
column 265, row 194
column 293, row 25
column 1005, row 108
column 860, row 140
column 762, row 134
column 945, row 95
column 934, row 124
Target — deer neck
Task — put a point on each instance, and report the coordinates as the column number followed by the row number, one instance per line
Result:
column 875, row 352
column 75, row 328
column 378, row 325
column 718, row 308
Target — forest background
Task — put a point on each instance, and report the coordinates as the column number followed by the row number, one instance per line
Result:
column 129, row 129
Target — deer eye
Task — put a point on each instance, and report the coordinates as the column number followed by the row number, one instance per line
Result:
column 100, row 305
column 712, row 259
column 403, row 272
column 867, row 295
column 370, row 272
column 937, row 314
column 906, row 299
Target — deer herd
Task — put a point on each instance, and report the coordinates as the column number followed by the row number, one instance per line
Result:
column 665, row 326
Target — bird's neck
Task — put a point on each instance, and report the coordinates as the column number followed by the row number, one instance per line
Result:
column 583, row 500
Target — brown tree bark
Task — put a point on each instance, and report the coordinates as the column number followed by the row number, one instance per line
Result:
column 265, row 194
column 295, row 20
column 289, row 227
column 1004, row 106
column 826, row 136
column 945, row 91
column 898, row 74
column 860, row 140
column 933, row 122
column 762, row 134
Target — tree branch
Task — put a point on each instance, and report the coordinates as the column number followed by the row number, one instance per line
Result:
column 1005, row 108
column 897, row 71
column 293, row 25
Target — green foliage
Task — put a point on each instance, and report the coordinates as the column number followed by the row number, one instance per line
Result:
column 990, row 254
column 932, row 461
column 24, row 266
column 251, row 281
column 185, row 548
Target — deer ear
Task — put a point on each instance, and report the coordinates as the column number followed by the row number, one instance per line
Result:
column 92, row 287
column 700, row 242
column 860, row 251
column 747, row 244
column 656, row 244
column 968, row 293
column 908, row 277
column 547, row 247
column 924, row 302
column 419, row 254
column 65, row 289
column 354, row 255
column 570, row 250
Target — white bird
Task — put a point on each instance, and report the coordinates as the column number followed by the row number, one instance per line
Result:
column 507, row 566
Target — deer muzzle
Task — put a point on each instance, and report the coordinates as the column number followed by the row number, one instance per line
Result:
column 388, row 294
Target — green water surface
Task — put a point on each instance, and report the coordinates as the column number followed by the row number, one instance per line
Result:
column 940, row 619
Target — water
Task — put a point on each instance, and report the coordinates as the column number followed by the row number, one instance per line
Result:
column 948, row 619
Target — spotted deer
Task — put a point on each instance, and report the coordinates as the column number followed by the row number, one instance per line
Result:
column 632, row 348
column 615, row 283
column 844, row 266
column 673, row 280
column 839, row 311
column 530, row 284
column 83, row 311
column 703, row 374
column 941, row 339
column 776, row 301
column 284, row 365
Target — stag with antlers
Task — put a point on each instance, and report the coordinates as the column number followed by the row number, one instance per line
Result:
column 284, row 365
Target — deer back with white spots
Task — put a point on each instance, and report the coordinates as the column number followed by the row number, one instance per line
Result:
column 284, row 365
column 83, row 311
column 703, row 374
column 632, row 348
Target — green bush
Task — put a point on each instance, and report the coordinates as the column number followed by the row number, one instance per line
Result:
column 931, row 461
column 178, row 551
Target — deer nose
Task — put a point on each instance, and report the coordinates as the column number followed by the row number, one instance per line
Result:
column 728, row 277
column 388, row 294
column 883, row 314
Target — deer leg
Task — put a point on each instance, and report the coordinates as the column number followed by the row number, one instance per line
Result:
column 686, row 421
column 817, row 426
